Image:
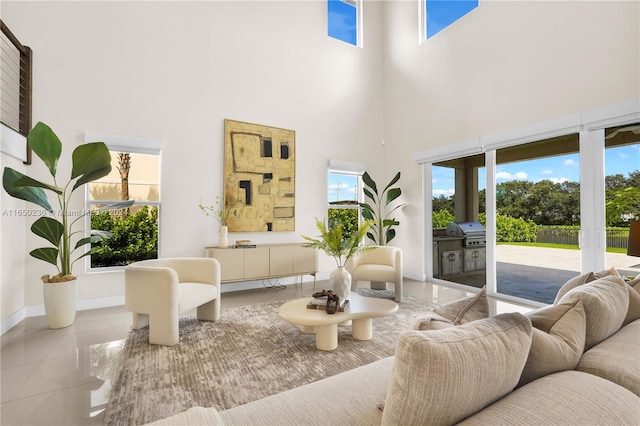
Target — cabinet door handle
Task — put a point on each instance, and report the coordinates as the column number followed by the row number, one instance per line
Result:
column 451, row 257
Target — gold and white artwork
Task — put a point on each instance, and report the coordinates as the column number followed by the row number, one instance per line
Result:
column 259, row 177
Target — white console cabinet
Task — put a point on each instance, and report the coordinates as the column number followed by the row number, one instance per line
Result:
column 264, row 261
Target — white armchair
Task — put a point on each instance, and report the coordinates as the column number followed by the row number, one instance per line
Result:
column 383, row 264
column 157, row 291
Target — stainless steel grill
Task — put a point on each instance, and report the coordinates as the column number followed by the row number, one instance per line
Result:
column 473, row 232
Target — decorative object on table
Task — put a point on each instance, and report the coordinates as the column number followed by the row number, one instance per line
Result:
column 341, row 248
column 89, row 162
column 259, row 176
column 223, row 214
column 327, row 301
column 378, row 211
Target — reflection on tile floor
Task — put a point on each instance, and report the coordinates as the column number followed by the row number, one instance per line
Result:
column 63, row 376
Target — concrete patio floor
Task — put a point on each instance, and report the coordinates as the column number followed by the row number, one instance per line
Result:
column 537, row 273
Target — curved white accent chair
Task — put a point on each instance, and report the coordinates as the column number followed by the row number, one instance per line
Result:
column 382, row 264
column 157, row 291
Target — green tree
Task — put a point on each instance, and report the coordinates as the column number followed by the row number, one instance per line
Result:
column 134, row 237
column 347, row 218
column 441, row 219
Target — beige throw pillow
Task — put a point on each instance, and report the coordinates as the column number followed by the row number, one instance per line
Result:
column 583, row 279
column 466, row 310
column 606, row 301
column 633, row 313
column 431, row 321
column 440, row 377
column 557, row 341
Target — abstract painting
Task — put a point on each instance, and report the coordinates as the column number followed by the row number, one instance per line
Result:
column 259, row 177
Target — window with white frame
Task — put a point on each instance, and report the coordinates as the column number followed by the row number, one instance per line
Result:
column 436, row 15
column 135, row 174
column 344, row 193
column 344, row 21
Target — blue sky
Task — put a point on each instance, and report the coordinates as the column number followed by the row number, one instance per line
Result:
column 342, row 186
column 620, row 160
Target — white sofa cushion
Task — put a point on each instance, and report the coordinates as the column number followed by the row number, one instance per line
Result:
column 440, row 377
column 565, row 398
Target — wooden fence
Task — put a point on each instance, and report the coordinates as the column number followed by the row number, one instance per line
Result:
column 616, row 237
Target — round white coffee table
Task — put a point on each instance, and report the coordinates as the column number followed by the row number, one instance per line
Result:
column 360, row 311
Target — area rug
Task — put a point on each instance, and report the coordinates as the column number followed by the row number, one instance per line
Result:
column 248, row 354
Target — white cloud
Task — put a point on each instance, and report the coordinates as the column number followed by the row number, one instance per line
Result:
column 509, row 176
column 569, row 162
column 546, row 172
column 559, row 180
column 445, row 192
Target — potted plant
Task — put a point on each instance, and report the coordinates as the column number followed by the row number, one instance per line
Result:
column 223, row 216
column 382, row 231
column 90, row 161
column 341, row 248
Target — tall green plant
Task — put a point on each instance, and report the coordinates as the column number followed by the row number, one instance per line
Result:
column 380, row 210
column 333, row 242
column 90, row 161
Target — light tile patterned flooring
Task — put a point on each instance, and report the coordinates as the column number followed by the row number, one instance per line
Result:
column 62, row 377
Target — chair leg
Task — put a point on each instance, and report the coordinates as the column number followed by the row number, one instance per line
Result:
column 398, row 291
column 139, row 320
column 209, row 311
column 163, row 329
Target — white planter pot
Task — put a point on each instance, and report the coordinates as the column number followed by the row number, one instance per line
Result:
column 60, row 300
column 340, row 280
column 224, row 237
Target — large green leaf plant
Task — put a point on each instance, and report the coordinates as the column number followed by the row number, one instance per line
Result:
column 90, row 162
column 334, row 243
column 379, row 210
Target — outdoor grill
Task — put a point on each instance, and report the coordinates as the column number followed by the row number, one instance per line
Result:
column 473, row 233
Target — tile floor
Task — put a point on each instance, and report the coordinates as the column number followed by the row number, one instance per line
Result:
column 63, row 377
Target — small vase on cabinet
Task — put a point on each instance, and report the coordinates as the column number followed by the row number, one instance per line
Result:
column 340, row 280
column 224, row 237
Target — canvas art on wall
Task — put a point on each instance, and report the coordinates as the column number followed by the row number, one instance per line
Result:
column 259, row 177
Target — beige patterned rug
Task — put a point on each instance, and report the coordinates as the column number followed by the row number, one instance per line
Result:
column 248, row 354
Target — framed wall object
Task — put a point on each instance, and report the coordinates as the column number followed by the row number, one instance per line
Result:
column 259, row 177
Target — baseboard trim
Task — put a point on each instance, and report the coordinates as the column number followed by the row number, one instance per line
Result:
column 12, row 320
column 38, row 310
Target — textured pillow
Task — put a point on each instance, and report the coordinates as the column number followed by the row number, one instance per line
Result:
column 557, row 340
column 431, row 321
column 583, row 279
column 633, row 313
column 606, row 301
column 466, row 310
column 440, row 377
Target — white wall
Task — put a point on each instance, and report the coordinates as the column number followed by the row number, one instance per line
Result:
column 504, row 65
column 174, row 71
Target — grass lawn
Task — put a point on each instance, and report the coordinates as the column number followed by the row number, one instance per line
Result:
column 564, row 246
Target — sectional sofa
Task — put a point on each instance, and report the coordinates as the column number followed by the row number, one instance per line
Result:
column 574, row 362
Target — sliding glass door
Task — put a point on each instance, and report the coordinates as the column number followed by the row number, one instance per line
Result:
column 557, row 207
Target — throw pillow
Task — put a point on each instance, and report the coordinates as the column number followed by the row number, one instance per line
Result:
column 557, row 340
column 582, row 279
column 440, row 377
column 466, row 310
column 431, row 321
column 606, row 301
column 633, row 313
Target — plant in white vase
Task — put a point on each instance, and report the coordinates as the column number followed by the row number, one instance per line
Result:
column 341, row 248
column 90, row 162
column 223, row 214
